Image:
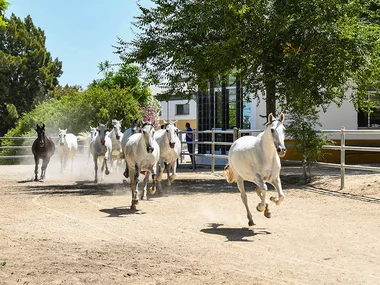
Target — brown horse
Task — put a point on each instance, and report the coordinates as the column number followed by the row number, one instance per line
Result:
column 43, row 148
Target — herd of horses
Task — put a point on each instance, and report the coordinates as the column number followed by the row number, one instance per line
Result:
column 143, row 150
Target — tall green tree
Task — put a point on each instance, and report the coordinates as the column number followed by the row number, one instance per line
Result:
column 27, row 71
column 281, row 49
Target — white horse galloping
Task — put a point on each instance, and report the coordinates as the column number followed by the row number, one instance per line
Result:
column 87, row 137
column 101, row 149
column 141, row 153
column 115, row 135
column 257, row 159
column 67, row 147
column 170, row 150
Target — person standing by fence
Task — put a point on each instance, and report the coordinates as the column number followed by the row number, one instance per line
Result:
column 189, row 141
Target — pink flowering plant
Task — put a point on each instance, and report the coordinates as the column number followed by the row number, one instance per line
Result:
column 150, row 112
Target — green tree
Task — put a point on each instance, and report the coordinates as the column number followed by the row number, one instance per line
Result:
column 3, row 6
column 27, row 71
column 281, row 49
column 127, row 76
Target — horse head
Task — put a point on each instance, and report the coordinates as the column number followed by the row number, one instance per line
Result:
column 148, row 136
column 277, row 130
column 93, row 132
column 41, row 134
column 171, row 133
column 117, row 128
column 102, row 132
column 62, row 136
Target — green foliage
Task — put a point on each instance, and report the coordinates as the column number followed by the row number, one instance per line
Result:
column 308, row 143
column 79, row 110
column 28, row 72
column 127, row 76
column 315, row 49
column 3, row 6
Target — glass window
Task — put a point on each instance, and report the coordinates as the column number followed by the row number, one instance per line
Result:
column 182, row 109
column 371, row 120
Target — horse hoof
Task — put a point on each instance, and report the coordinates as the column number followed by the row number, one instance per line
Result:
column 107, row 172
column 267, row 214
column 133, row 207
column 260, row 208
column 251, row 223
column 172, row 177
column 152, row 190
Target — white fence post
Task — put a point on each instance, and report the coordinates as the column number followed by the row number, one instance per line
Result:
column 342, row 156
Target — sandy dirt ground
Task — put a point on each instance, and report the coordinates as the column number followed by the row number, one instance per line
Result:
column 68, row 230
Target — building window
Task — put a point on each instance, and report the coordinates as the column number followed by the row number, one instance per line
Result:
column 371, row 120
column 183, row 109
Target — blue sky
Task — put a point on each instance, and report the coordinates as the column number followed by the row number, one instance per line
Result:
column 80, row 32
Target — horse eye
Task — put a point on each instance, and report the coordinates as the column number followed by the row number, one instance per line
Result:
column 272, row 130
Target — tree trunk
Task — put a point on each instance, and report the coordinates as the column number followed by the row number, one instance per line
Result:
column 270, row 88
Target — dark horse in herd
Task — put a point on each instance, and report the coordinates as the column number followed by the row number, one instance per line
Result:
column 43, row 148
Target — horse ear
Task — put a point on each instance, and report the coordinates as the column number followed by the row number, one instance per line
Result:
column 43, row 126
column 282, row 117
column 65, row 130
column 270, row 118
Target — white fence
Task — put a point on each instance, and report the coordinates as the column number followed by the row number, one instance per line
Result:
column 214, row 155
column 343, row 133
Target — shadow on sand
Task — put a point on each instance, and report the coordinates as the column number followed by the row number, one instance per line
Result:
column 234, row 234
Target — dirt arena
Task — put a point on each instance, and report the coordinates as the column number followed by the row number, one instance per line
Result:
column 68, row 230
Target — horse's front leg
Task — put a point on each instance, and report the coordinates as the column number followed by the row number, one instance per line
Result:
column 96, row 168
column 45, row 163
column 260, row 208
column 145, row 186
column 36, row 162
column 167, row 168
column 240, row 184
column 108, row 159
column 173, row 167
column 134, row 181
column 160, row 169
column 277, row 184
column 153, row 189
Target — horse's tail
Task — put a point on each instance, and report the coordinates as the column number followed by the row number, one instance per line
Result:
column 83, row 136
column 228, row 173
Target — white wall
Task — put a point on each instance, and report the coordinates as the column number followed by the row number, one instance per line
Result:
column 170, row 113
column 334, row 118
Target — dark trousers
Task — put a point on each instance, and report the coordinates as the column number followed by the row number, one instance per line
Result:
column 190, row 150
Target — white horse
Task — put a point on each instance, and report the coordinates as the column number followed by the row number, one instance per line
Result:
column 170, row 150
column 115, row 135
column 87, row 137
column 101, row 149
column 257, row 159
column 67, row 147
column 141, row 153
